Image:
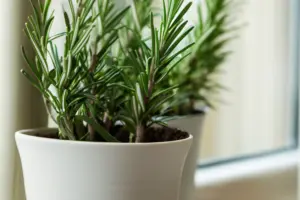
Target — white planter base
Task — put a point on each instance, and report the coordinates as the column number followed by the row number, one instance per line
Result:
column 70, row 170
column 192, row 124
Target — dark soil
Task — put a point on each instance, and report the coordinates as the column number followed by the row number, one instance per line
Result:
column 197, row 112
column 153, row 134
column 163, row 134
column 184, row 113
column 48, row 135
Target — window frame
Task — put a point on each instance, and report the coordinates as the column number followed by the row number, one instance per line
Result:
column 294, row 64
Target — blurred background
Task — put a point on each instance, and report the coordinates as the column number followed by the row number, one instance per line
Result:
column 258, row 111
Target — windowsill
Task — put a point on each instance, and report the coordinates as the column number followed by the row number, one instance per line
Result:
column 267, row 178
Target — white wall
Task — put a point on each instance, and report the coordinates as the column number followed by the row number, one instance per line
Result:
column 21, row 105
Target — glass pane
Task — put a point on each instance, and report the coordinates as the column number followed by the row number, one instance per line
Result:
column 256, row 114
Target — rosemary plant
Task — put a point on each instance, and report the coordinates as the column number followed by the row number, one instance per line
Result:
column 75, row 84
column 151, row 65
column 196, row 75
column 88, row 90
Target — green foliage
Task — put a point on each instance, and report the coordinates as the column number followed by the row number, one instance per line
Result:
column 135, row 23
column 196, row 75
column 90, row 88
column 150, row 67
column 75, row 84
column 140, row 15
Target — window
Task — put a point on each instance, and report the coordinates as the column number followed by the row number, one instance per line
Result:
column 259, row 112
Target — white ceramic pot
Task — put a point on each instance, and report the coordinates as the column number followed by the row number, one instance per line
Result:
column 71, row 170
column 192, row 124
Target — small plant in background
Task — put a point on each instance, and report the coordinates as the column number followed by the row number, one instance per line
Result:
column 196, row 75
column 86, row 90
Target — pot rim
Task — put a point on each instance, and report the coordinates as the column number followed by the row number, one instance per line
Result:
column 26, row 135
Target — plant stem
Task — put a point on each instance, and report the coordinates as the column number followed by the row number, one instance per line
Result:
column 150, row 84
column 140, row 130
column 140, row 133
column 107, row 122
column 93, row 65
column 91, row 131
